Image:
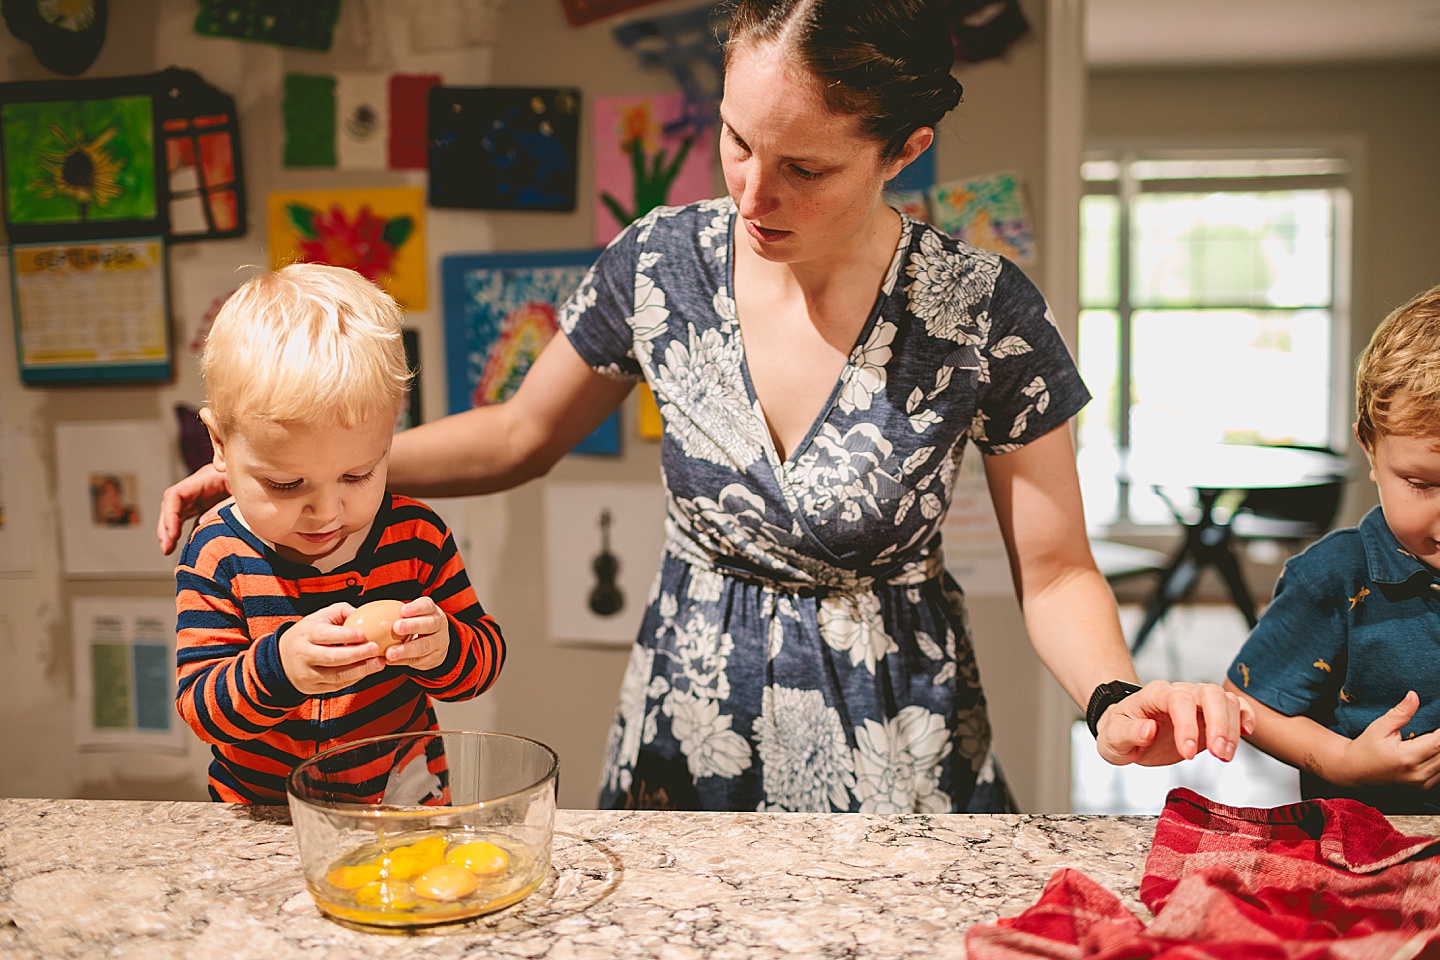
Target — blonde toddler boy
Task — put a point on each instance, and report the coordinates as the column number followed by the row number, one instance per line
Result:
column 305, row 372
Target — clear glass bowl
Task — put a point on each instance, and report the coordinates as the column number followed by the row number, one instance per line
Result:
column 424, row 828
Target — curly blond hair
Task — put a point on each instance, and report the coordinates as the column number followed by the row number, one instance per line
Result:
column 1397, row 381
column 309, row 344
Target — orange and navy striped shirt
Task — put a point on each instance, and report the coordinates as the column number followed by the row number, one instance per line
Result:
column 235, row 597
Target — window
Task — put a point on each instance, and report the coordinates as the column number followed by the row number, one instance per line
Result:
column 1212, row 300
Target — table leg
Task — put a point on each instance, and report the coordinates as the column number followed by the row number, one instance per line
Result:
column 1206, row 543
column 1174, row 586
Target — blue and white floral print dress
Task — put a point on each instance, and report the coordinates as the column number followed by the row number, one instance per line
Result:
column 803, row 647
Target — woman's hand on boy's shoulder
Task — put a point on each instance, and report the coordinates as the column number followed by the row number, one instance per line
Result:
column 1164, row 722
column 427, row 633
column 189, row 498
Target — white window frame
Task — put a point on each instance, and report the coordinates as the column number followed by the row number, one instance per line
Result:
column 1347, row 219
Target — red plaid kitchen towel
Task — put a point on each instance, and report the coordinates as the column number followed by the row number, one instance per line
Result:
column 1316, row 880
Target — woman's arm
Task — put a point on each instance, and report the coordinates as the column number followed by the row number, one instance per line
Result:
column 560, row 401
column 1072, row 620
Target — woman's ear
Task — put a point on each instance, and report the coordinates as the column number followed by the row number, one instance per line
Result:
column 917, row 143
column 217, row 442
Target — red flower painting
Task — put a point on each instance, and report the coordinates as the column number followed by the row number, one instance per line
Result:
column 366, row 244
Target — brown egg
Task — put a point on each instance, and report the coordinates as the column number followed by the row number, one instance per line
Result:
column 376, row 618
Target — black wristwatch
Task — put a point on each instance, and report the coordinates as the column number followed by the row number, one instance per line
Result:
column 1105, row 696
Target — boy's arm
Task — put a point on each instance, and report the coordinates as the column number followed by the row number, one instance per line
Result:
column 1299, row 741
column 1380, row 755
column 229, row 688
column 477, row 648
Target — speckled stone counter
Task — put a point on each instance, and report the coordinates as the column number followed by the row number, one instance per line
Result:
column 133, row 880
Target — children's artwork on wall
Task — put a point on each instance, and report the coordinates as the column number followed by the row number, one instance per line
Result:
column 91, row 312
column 124, row 657
column 409, row 104
column 309, row 24
column 110, row 482
column 195, row 447
column 581, row 12
column 500, row 311
column 688, row 46
column 909, row 202
column 356, row 121
column 308, row 108
column 988, row 212
column 602, row 546
column 79, row 159
column 200, row 141
column 377, row 232
column 66, row 37
column 503, row 148
column 651, row 425
column 412, row 409
column 362, row 121
column 86, row 208
column 441, row 25
column 974, row 546
column 202, row 329
column 639, row 166
column 16, row 509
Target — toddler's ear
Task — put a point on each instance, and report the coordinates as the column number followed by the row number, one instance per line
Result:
column 217, row 442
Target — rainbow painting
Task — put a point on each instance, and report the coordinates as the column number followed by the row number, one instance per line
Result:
column 500, row 312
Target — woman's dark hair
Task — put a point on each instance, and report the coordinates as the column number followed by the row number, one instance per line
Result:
column 886, row 62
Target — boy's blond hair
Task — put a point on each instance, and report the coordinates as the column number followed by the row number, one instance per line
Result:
column 1397, row 382
column 308, row 344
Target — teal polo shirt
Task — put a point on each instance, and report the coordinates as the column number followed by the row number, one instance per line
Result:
column 1354, row 624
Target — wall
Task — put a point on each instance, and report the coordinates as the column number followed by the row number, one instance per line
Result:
column 560, row 693
column 1383, row 115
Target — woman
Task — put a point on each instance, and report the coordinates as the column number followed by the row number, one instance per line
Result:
column 821, row 363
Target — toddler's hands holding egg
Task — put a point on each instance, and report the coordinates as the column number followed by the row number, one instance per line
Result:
column 415, row 634
column 320, row 655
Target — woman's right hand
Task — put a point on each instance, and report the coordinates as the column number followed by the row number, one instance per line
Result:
column 189, row 498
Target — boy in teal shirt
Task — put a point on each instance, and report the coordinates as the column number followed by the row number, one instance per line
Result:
column 1343, row 669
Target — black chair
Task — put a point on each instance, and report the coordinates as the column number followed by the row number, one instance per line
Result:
column 1290, row 514
column 1293, row 514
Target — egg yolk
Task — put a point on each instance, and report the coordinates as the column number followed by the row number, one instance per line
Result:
column 385, row 895
column 348, row 878
column 444, row 881
column 478, row 857
column 402, row 863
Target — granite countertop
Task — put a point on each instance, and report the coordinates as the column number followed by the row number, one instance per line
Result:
column 165, row 881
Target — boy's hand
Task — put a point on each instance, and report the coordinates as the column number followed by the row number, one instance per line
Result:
column 321, row 655
column 1382, row 755
column 426, row 630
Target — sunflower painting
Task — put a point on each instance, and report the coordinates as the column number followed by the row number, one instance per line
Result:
column 80, row 162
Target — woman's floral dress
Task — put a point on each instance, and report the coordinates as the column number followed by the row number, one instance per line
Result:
column 803, row 647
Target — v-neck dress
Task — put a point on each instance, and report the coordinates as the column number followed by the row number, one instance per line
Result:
column 803, row 648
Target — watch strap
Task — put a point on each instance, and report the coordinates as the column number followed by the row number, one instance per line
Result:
column 1105, row 696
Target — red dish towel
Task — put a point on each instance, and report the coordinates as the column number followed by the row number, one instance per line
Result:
column 1309, row 881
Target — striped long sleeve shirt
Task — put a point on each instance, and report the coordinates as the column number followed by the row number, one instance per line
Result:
column 235, row 597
